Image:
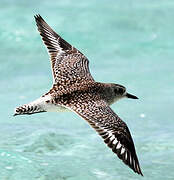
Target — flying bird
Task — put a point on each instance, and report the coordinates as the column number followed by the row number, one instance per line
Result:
column 74, row 89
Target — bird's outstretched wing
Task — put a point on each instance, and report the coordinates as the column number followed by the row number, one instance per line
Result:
column 69, row 66
column 109, row 126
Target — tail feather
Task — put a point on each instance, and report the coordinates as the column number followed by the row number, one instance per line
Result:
column 27, row 109
column 37, row 106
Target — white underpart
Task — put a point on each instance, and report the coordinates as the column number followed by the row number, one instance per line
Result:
column 56, row 108
column 49, row 107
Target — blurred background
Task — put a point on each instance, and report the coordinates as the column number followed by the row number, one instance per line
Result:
column 127, row 42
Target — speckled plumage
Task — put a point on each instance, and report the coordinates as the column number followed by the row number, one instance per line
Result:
column 75, row 89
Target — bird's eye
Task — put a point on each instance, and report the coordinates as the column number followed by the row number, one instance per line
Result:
column 115, row 90
column 121, row 90
column 118, row 90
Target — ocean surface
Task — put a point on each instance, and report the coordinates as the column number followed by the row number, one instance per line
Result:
column 127, row 42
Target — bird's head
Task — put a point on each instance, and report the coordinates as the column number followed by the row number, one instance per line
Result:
column 120, row 92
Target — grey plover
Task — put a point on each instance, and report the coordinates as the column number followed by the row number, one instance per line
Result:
column 75, row 89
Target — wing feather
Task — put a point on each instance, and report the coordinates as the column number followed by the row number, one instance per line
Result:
column 110, row 127
column 69, row 65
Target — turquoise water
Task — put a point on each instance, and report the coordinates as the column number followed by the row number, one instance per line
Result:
column 127, row 42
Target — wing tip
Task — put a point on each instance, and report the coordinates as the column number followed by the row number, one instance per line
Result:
column 140, row 173
column 134, row 165
column 37, row 16
column 124, row 154
column 38, row 19
column 138, row 170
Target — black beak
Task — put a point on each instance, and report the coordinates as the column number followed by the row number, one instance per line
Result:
column 131, row 96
